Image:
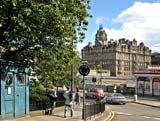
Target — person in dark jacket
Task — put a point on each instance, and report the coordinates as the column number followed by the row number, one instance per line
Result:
column 53, row 98
column 77, row 96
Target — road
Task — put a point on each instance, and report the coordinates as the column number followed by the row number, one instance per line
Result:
column 135, row 112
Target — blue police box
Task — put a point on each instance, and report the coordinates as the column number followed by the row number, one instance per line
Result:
column 14, row 95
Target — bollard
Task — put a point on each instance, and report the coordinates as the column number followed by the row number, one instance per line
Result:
column 135, row 98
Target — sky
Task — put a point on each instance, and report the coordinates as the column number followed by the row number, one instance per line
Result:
column 139, row 19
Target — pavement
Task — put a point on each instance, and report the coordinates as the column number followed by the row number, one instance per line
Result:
column 149, row 101
column 59, row 115
column 106, row 116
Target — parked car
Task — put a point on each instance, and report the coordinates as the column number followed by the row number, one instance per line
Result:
column 116, row 98
column 95, row 93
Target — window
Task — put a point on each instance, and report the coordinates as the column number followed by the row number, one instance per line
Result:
column 9, row 79
column 140, row 86
column 20, row 78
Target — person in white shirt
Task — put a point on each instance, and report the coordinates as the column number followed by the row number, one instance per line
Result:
column 68, row 101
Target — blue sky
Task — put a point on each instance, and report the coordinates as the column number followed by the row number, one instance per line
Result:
column 139, row 19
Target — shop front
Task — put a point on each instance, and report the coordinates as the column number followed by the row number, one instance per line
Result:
column 156, row 86
column 148, row 82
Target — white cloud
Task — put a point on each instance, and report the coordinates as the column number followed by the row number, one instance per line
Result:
column 100, row 20
column 142, row 22
column 155, row 48
column 115, row 34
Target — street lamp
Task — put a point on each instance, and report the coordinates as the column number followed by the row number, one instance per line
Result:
column 72, row 76
column 72, row 66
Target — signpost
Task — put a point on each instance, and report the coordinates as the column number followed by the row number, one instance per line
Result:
column 84, row 71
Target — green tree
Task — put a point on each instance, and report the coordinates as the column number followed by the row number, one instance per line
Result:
column 28, row 24
column 43, row 30
column 57, row 67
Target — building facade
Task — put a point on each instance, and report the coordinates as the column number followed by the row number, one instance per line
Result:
column 148, row 81
column 122, row 57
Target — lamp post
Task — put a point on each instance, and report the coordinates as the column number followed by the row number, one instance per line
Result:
column 72, row 67
column 72, row 76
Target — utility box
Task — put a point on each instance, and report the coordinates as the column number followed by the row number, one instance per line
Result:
column 14, row 95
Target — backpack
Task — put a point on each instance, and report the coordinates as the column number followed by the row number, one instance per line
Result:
column 71, row 93
column 76, row 96
column 47, row 92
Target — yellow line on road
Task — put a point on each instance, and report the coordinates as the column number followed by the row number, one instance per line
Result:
column 110, row 116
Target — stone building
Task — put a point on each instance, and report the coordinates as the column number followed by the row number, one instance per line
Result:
column 121, row 57
column 155, row 59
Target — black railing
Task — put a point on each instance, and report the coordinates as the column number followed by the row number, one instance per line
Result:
column 93, row 109
column 40, row 101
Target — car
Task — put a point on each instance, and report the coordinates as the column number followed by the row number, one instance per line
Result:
column 95, row 93
column 116, row 98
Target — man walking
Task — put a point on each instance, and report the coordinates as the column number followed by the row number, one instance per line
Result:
column 69, row 100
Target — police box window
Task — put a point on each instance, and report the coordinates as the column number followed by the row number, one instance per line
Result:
column 20, row 78
column 9, row 79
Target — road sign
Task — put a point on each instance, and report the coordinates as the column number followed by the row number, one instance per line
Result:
column 84, row 70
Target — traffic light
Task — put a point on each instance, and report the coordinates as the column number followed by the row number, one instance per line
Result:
column 93, row 79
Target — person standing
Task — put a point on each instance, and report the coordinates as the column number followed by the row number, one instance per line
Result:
column 69, row 100
column 77, row 96
column 53, row 98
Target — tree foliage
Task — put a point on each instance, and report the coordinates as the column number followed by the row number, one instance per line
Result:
column 25, row 24
column 43, row 29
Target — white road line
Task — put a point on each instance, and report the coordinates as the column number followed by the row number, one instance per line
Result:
column 156, row 118
column 146, row 117
column 152, row 118
column 122, row 113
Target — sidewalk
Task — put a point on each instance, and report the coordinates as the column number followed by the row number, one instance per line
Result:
column 149, row 101
column 59, row 115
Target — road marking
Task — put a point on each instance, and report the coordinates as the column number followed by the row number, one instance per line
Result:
column 146, row 117
column 156, row 118
column 151, row 117
column 122, row 113
column 110, row 116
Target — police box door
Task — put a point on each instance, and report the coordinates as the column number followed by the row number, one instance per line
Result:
column 20, row 95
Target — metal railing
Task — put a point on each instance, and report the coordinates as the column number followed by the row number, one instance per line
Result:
column 40, row 101
column 93, row 109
